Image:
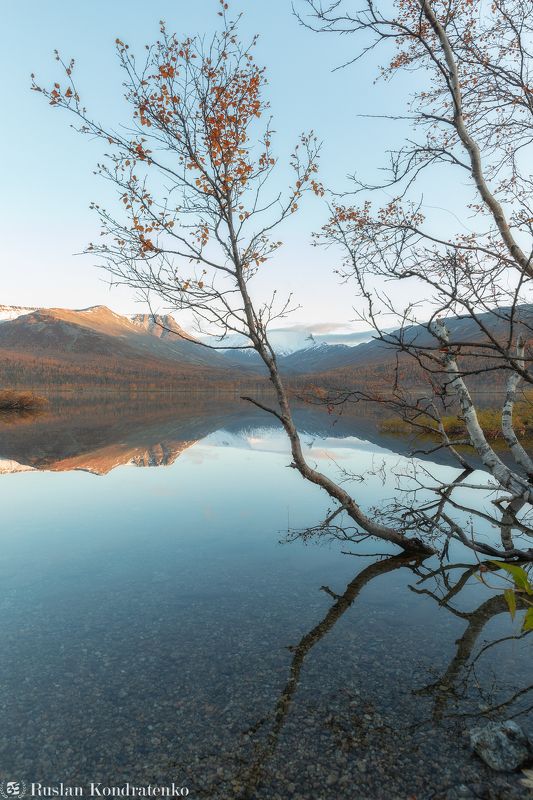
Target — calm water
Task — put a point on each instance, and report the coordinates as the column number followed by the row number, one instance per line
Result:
column 157, row 628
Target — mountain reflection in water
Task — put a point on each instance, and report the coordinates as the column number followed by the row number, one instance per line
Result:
column 155, row 630
column 101, row 435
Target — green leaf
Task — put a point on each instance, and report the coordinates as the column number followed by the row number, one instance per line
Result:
column 519, row 575
column 527, row 625
column 510, row 598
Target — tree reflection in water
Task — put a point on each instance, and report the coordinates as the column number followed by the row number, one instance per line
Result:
column 450, row 689
column 462, row 672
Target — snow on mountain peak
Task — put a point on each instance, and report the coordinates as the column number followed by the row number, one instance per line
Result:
column 7, row 313
column 300, row 338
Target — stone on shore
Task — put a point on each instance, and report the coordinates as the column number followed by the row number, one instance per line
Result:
column 502, row 745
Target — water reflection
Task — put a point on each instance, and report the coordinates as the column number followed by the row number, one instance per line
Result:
column 461, row 685
column 254, row 774
column 460, row 682
column 154, row 629
column 100, row 435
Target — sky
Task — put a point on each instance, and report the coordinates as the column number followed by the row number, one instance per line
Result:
column 47, row 175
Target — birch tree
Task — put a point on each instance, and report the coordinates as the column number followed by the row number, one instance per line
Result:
column 197, row 219
column 469, row 119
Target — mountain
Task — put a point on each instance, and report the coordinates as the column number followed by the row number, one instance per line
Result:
column 97, row 346
column 374, row 362
column 317, row 359
column 286, row 341
column 163, row 326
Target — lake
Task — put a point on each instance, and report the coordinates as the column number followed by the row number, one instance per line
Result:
column 162, row 621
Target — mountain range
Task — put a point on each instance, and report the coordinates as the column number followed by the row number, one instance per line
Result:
column 57, row 346
column 97, row 347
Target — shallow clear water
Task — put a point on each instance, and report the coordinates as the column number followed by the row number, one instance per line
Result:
column 156, row 629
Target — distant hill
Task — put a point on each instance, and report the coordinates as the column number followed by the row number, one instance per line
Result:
column 96, row 346
column 374, row 362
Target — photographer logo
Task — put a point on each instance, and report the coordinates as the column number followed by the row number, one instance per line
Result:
column 12, row 790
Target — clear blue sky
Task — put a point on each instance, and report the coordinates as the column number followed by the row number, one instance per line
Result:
column 47, row 168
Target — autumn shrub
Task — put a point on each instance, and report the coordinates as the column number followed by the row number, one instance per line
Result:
column 20, row 401
column 490, row 420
